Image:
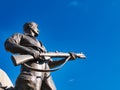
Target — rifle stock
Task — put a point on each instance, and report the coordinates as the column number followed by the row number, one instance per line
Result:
column 19, row 59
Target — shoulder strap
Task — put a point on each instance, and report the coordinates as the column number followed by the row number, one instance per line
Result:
column 47, row 70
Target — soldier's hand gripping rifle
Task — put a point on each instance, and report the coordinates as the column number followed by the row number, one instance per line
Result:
column 19, row 59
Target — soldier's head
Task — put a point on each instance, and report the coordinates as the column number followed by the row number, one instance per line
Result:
column 31, row 28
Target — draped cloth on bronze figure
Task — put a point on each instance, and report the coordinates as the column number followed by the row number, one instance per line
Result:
column 5, row 81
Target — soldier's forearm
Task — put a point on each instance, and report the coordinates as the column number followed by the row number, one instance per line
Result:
column 56, row 63
column 16, row 48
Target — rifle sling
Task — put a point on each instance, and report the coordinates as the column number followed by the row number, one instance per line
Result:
column 47, row 70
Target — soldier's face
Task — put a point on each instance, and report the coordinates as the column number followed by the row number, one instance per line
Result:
column 35, row 29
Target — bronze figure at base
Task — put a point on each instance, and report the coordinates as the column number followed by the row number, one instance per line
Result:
column 5, row 82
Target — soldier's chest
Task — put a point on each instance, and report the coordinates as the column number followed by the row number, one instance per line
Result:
column 27, row 40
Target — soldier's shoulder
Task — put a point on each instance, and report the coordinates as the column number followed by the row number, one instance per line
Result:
column 18, row 34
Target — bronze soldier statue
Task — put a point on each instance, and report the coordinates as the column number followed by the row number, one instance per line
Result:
column 32, row 79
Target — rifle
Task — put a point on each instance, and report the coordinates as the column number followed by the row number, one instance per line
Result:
column 20, row 59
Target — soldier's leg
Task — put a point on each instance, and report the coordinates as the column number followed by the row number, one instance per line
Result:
column 28, row 82
column 48, row 84
column 38, row 83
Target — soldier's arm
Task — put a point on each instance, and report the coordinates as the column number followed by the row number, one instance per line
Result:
column 12, row 45
column 55, row 63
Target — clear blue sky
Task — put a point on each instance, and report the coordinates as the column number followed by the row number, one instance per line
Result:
column 89, row 26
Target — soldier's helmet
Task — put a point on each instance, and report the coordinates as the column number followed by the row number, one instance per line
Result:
column 31, row 26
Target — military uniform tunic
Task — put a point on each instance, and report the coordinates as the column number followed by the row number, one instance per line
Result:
column 30, row 79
